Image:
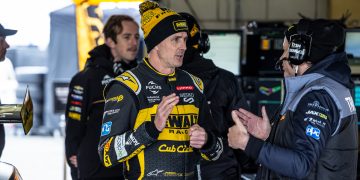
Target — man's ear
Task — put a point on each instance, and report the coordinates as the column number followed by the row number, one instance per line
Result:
column 109, row 42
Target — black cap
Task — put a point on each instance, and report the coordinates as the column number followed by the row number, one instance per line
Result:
column 6, row 32
column 327, row 36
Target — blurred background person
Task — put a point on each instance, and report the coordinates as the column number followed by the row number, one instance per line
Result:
column 3, row 47
column 85, row 105
column 223, row 94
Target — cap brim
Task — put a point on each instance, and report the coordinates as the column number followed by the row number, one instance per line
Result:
column 8, row 32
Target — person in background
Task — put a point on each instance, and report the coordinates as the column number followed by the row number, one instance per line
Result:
column 85, row 104
column 3, row 47
column 156, row 120
column 223, row 94
column 316, row 134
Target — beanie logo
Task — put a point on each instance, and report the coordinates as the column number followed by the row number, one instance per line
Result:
column 194, row 30
column 180, row 25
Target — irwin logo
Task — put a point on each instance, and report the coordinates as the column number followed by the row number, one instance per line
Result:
column 181, row 121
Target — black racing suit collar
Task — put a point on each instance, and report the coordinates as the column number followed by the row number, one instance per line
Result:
column 149, row 70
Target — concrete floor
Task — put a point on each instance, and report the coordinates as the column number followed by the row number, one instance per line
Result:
column 36, row 157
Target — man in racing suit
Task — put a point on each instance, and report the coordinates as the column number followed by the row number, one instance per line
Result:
column 316, row 134
column 85, row 105
column 156, row 117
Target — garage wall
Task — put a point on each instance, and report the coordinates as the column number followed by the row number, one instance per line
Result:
column 338, row 7
column 230, row 14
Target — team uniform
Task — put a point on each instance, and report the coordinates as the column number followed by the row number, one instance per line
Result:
column 318, row 120
column 129, row 134
column 84, row 110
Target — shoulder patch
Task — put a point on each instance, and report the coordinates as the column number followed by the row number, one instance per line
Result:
column 130, row 80
column 198, row 82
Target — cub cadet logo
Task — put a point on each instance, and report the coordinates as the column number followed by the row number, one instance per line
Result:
column 115, row 99
column 173, row 148
column 180, row 25
column 318, row 114
column 153, row 87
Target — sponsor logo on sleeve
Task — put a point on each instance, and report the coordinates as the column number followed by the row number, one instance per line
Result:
column 316, row 113
column 80, row 88
column 115, row 99
column 313, row 132
column 111, row 112
column 316, row 104
column 78, row 103
column 79, row 92
column 350, row 103
column 106, row 128
column 75, row 116
column 315, row 122
column 76, row 97
column 119, row 146
column 75, row 109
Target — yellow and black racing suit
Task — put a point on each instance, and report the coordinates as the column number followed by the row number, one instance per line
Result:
column 129, row 134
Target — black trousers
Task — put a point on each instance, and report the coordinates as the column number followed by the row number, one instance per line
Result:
column 2, row 138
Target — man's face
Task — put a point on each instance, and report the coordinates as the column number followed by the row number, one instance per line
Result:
column 127, row 42
column 3, row 46
column 172, row 49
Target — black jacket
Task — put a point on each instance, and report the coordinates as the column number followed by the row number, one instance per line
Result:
column 84, row 112
column 223, row 94
column 316, row 136
column 129, row 134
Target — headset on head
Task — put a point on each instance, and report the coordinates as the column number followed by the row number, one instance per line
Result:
column 204, row 42
column 300, row 44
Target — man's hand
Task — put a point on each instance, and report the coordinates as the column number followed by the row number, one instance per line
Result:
column 164, row 109
column 255, row 125
column 73, row 160
column 238, row 137
column 198, row 136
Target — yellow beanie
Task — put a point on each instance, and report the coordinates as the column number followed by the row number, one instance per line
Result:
column 159, row 23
